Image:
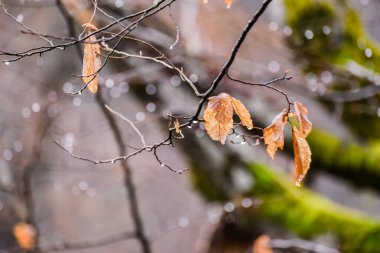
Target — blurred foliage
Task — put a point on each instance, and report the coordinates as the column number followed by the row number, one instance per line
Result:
column 338, row 39
column 307, row 214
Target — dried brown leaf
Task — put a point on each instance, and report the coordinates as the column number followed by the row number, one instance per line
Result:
column 305, row 125
column 261, row 245
column 302, row 154
column 218, row 117
column 91, row 64
column 25, row 235
column 243, row 113
column 176, row 125
column 274, row 133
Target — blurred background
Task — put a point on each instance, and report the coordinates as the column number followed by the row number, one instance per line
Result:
column 232, row 194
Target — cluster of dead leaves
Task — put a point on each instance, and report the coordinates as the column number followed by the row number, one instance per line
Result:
column 91, row 60
column 274, row 138
column 228, row 2
column 218, row 117
column 25, row 235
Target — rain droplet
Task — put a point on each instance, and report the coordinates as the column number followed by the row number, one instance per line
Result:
column 162, row 164
column 189, row 126
column 7, row 154
column 83, row 185
column 36, row 107
column 17, row 146
column 193, row 78
column 309, row 34
column 287, row 31
column 110, row 83
column 151, row 107
column 274, row 66
column 229, row 207
column 119, row 3
column 7, row 63
column 140, row 116
column 246, row 202
column 273, row 26
column 80, row 92
column 368, row 52
column 183, row 222
column 195, row 121
column 243, row 142
column 26, row 112
column 113, row 161
column 77, row 101
column 175, row 80
column 151, row 89
column 326, row 30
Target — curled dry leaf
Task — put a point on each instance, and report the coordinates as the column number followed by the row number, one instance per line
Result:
column 243, row 113
column 218, row 116
column 304, row 123
column 302, row 154
column 25, row 235
column 274, row 133
column 91, row 64
column 176, row 125
column 261, row 245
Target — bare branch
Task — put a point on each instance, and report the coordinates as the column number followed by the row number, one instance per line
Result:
column 128, row 121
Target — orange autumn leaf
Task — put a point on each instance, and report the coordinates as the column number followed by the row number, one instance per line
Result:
column 25, row 235
column 302, row 154
column 274, row 133
column 229, row 3
column 176, row 125
column 218, row 116
column 261, row 245
column 242, row 112
column 91, row 63
column 304, row 123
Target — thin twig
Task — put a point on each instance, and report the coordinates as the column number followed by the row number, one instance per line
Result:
column 128, row 121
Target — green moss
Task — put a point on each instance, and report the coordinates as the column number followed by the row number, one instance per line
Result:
column 307, row 214
column 344, row 156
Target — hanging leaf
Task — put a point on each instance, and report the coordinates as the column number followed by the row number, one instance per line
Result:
column 261, row 245
column 176, row 125
column 218, row 116
column 229, row 3
column 25, row 235
column 243, row 113
column 91, row 62
column 302, row 154
column 304, row 123
column 274, row 133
